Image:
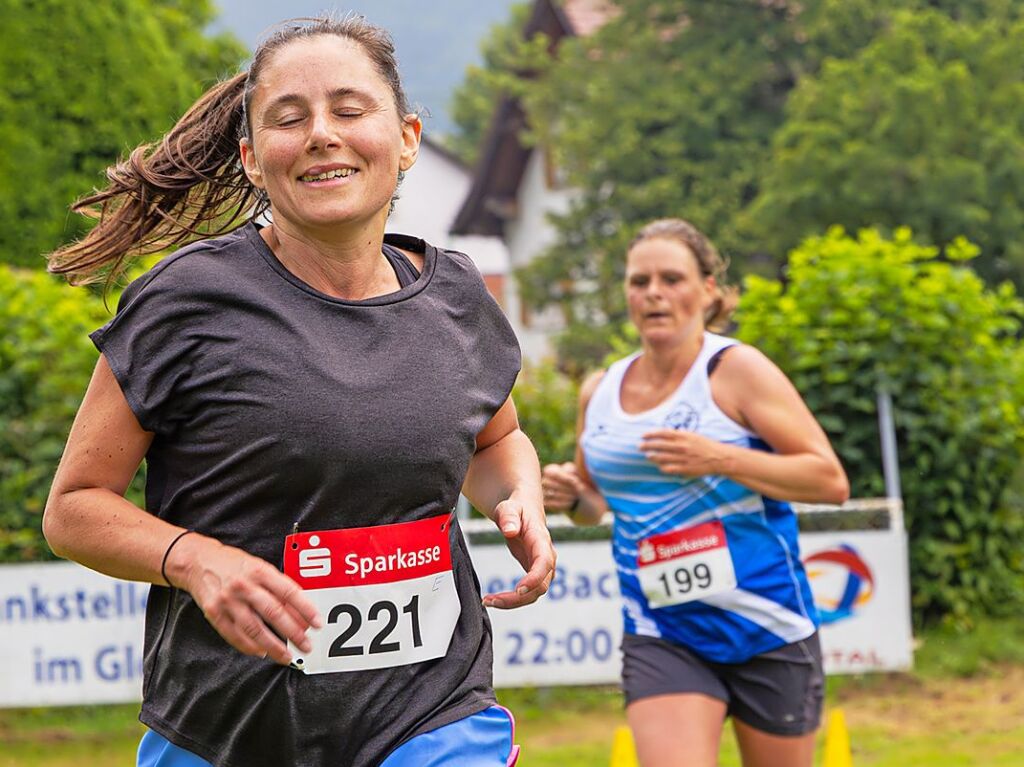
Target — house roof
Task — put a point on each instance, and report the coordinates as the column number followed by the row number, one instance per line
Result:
column 497, row 175
column 587, row 16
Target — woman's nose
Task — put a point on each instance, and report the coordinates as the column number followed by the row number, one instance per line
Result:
column 322, row 132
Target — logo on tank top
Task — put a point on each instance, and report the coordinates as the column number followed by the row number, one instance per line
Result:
column 683, row 417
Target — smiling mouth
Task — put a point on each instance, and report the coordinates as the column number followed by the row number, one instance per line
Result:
column 331, row 174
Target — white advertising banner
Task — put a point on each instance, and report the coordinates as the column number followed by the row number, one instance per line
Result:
column 70, row 636
column 570, row 636
column 859, row 579
column 861, row 586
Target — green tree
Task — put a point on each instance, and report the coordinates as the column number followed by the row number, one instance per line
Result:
column 668, row 110
column 546, row 402
column 857, row 315
column 509, row 63
column 924, row 128
column 79, row 87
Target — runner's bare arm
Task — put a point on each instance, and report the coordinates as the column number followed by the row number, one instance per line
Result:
column 751, row 390
column 567, row 486
column 503, row 481
column 87, row 519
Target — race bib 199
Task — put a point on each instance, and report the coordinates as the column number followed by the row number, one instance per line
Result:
column 685, row 565
column 387, row 594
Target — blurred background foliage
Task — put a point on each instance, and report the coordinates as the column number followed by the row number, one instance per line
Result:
column 546, row 401
column 79, row 88
column 764, row 122
column 46, row 359
column 81, row 85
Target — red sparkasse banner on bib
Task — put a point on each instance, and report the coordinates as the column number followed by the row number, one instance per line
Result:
column 362, row 556
column 680, row 543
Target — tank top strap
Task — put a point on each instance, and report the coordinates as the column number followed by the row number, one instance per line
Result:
column 404, row 269
column 617, row 371
column 713, row 345
column 607, row 392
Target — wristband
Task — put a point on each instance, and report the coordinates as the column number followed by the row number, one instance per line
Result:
column 163, row 564
column 575, row 505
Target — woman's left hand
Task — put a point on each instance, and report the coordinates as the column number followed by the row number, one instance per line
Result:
column 675, row 451
column 527, row 537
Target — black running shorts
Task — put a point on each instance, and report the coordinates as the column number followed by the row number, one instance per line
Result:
column 779, row 692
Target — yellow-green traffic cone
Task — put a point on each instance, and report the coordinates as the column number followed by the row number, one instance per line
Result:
column 837, row 741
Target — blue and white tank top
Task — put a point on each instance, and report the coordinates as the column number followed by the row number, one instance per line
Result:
column 771, row 605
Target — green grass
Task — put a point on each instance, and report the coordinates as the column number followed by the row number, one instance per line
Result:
column 954, row 652
column 945, row 652
column 76, row 736
column 963, row 706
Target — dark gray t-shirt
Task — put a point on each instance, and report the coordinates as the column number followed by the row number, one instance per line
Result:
column 273, row 405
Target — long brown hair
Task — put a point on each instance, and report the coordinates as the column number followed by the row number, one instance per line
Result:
column 190, row 184
column 710, row 262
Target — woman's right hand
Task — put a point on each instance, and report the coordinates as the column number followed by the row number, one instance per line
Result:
column 250, row 602
column 562, row 485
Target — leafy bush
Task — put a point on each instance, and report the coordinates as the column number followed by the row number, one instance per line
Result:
column 546, row 402
column 46, row 359
column 856, row 315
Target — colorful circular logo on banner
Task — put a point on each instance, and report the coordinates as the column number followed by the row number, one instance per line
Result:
column 841, row 581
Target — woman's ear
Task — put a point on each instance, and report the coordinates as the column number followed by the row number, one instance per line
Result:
column 412, row 128
column 249, row 164
column 711, row 292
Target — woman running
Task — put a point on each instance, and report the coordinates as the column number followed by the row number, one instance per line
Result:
column 695, row 443
column 309, row 395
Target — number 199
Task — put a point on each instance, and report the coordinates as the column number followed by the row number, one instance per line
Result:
column 683, row 581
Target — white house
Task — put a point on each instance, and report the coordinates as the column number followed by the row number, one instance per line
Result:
column 429, row 198
column 514, row 187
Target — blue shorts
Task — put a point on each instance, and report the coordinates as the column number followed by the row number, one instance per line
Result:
column 481, row 740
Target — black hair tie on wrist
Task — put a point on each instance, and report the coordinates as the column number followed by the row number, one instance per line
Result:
column 163, row 564
column 575, row 505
